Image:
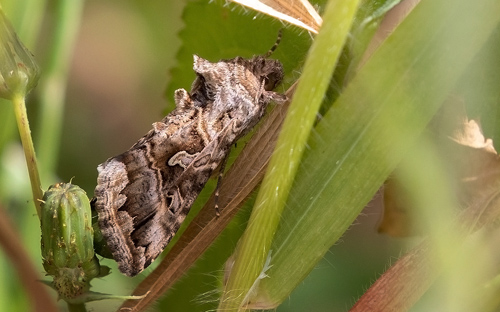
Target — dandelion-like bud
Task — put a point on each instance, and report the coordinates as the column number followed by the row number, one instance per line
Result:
column 18, row 70
column 67, row 240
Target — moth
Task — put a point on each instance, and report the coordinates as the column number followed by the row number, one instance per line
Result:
column 143, row 195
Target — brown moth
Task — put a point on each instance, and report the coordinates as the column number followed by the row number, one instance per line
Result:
column 144, row 194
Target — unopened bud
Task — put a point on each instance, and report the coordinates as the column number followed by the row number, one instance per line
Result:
column 18, row 69
column 67, row 240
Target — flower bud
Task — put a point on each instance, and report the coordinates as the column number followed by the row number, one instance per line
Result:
column 18, row 69
column 67, row 240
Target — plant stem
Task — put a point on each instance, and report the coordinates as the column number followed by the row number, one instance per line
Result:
column 29, row 150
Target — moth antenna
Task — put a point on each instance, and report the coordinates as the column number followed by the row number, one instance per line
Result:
column 273, row 48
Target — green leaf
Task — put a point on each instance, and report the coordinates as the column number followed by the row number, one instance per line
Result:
column 367, row 132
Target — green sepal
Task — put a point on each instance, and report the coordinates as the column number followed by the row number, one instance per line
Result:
column 95, row 296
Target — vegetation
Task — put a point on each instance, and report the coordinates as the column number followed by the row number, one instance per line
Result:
column 364, row 113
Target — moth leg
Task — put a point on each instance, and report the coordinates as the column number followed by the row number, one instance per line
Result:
column 261, row 91
column 221, row 173
column 269, row 96
column 276, row 97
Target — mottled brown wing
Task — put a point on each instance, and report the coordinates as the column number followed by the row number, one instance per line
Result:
column 144, row 194
column 142, row 202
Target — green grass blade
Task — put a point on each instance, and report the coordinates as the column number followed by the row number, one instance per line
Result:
column 253, row 248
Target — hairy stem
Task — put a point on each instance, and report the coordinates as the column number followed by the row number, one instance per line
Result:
column 29, row 150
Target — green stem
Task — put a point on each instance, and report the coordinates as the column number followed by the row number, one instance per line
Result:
column 29, row 150
column 53, row 88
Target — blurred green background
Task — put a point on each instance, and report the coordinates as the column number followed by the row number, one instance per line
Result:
column 128, row 58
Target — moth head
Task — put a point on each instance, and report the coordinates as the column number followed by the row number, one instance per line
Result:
column 268, row 70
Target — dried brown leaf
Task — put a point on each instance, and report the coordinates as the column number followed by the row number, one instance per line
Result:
column 297, row 12
column 396, row 221
column 471, row 159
